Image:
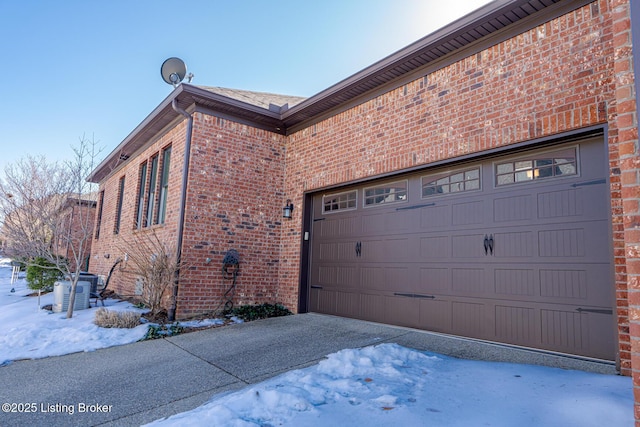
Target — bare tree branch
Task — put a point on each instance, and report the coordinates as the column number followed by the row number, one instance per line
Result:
column 47, row 210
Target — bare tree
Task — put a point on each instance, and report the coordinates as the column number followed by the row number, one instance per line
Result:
column 47, row 211
column 152, row 263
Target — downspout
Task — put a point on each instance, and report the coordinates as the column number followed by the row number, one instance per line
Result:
column 183, row 202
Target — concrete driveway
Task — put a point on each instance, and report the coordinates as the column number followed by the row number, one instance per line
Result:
column 141, row 382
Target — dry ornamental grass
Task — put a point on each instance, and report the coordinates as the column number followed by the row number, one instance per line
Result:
column 116, row 319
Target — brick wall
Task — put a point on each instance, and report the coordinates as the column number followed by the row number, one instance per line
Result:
column 109, row 246
column 234, row 201
column 557, row 77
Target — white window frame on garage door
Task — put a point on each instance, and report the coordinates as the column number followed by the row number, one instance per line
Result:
column 461, row 186
column 524, row 169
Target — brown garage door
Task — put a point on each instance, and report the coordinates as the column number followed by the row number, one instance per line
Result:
column 514, row 249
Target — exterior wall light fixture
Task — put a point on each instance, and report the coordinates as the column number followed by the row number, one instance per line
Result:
column 288, row 209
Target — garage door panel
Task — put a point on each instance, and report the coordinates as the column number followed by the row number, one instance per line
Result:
column 513, row 244
column 402, row 311
column 577, row 284
column 435, row 280
column 567, row 203
column 435, row 217
column 469, row 318
column 435, row 315
column 583, row 242
column 347, row 304
column 515, row 325
column 337, row 251
column 435, row 247
column 467, row 246
column 468, row 281
column 468, row 213
column 389, row 221
column 389, row 278
column 322, row 301
column 337, row 226
column 513, row 208
column 515, row 282
column 372, row 307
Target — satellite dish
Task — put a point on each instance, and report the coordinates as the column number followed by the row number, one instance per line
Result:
column 173, row 71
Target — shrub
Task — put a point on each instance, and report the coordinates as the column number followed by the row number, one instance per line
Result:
column 261, row 311
column 41, row 274
column 116, row 319
column 161, row 331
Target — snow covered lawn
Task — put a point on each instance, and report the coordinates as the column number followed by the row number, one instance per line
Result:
column 384, row 385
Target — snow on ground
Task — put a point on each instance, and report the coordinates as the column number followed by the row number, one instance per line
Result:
column 375, row 386
column 26, row 332
column 389, row 385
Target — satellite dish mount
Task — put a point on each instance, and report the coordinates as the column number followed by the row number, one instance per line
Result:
column 174, row 70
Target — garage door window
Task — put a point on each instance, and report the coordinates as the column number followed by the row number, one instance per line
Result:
column 456, row 182
column 386, row 193
column 339, row 201
column 547, row 165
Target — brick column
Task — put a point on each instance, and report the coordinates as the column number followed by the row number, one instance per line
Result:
column 625, row 123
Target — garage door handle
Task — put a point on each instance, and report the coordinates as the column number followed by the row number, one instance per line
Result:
column 358, row 249
column 488, row 244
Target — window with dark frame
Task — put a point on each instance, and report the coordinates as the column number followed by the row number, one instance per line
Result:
column 151, row 192
column 164, row 186
column 116, row 228
column 141, row 188
column 99, row 219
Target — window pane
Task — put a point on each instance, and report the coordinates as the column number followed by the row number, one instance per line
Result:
column 116, row 226
column 544, row 172
column 151, row 192
column 472, row 174
column 164, row 186
column 472, row 185
column 141, row 184
column 504, row 168
column 527, row 164
column 567, row 169
column 457, row 177
column 505, row 179
column 524, row 176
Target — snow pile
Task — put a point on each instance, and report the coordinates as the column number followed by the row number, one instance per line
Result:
column 391, row 385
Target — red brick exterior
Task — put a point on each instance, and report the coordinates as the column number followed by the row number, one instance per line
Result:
column 109, row 246
column 573, row 72
column 234, row 201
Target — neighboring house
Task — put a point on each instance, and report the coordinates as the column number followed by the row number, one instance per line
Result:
column 482, row 182
column 62, row 223
column 80, row 222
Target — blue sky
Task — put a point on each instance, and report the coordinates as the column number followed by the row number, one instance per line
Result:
column 92, row 68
